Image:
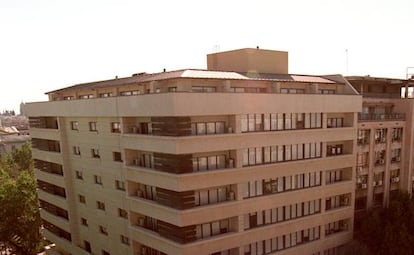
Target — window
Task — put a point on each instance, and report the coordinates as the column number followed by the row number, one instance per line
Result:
column 109, row 94
column 380, row 157
column 335, row 122
column 100, row 205
column 117, row 156
column 396, row 134
column 363, row 136
column 103, row 230
column 82, row 199
column 203, row 128
column 79, row 175
column 74, row 125
column 122, row 213
column 87, row 246
column 116, row 127
column 396, row 155
column 334, row 150
column 327, row 91
column 84, row 221
column 209, row 163
column 172, row 89
column 292, row 91
column 98, row 179
column 95, row 153
column 89, row 96
column 280, row 121
column 124, row 240
column 130, row 93
column 203, row 89
column 92, row 127
column 120, row 185
column 381, row 135
column 76, row 150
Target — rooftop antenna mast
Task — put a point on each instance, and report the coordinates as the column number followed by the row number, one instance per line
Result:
column 346, row 61
column 409, row 74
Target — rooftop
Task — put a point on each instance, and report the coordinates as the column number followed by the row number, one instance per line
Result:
column 201, row 74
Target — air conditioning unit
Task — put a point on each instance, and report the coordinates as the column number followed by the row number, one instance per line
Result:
column 143, row 251
column 382, row 161
column 397, row 179
column 230, row 130
column 140, row 193
column 379, row 183
column 374, row 184
column 135, row 162
column 359, row 180
column 364, row 185
column 359, row 169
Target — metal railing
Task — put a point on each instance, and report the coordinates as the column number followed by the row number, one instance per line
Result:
column 380, row 116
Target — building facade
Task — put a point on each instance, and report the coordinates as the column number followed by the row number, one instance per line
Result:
column 384, row 152
column 241, row 158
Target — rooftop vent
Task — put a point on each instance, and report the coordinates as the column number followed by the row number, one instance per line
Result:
column 139, row 74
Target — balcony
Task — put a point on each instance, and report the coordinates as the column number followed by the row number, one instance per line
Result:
column 380, row 117
column 182, row 200
column 46, row 145
column 44, row 122
column 184, row 234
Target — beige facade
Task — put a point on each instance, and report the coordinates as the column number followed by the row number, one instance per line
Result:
column 384, row 153
column 198, row 162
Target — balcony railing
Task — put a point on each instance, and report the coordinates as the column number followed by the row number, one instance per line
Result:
column 380, row 117
column 381, row 95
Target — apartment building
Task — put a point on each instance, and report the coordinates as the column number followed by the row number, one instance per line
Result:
column 242, row 158
column 384, row 151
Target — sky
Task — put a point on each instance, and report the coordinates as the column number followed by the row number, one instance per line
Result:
column 50, row 44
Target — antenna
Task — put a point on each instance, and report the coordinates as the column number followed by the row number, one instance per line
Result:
column 216, row 48
column 346, row 61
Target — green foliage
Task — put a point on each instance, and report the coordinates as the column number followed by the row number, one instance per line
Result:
column 389, row 230
column 20, row 220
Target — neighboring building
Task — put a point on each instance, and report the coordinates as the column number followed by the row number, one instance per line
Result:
column 385, row 128
column 21, row 123
column 11, row 139
column 242, row 158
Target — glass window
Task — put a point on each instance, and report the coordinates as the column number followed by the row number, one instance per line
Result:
column 244, row 126
column 252, row 156
column 92, row 126
column 251, row 122
column 219, row 127
column 280, row 121
column 267, row 158
column 201, row 128
column 211, row 128
column 74, row 125
column 202, row 163
column 212, row 162
column 259, row 155
column 273, row 121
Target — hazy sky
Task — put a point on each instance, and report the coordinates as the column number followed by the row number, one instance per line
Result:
column 50, row 44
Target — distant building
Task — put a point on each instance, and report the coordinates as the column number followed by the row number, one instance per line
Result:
column 241, row 158
column 21, row 123
column 384, row 140
column 11, row 139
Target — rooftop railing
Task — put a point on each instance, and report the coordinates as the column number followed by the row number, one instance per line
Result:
column 381, row 116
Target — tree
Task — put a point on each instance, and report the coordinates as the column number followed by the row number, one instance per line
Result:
column 389, row 230
column 20, row 220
